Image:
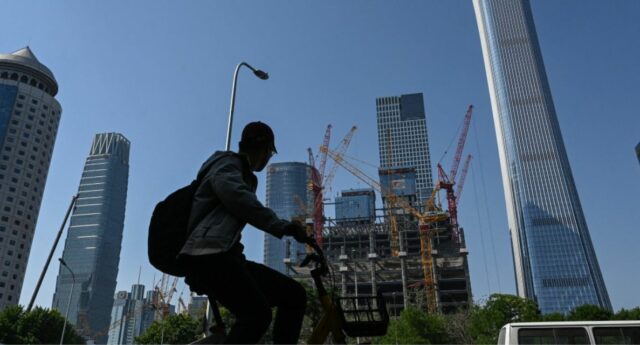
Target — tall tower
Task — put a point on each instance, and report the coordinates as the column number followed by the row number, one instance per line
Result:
column 29, row 118
column 554, row 259
column 128, row 315
column 92, row 247
column 288, row 196
column 403, row 139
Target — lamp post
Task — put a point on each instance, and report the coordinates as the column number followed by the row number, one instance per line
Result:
column 66, row 313
column 258, row 73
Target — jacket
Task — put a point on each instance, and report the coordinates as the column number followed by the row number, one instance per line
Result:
column 223, row 204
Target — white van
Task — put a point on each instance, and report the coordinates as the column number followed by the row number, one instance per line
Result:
column 570, row 332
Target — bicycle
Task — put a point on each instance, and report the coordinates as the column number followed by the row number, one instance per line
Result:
column 353, row 316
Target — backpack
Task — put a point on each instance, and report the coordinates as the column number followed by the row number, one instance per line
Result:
column 168, row 229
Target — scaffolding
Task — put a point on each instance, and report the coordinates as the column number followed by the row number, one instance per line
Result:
column 360, row 255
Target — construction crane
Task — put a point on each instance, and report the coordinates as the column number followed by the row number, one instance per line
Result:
column 447, row 182
column 425, row 219
column 393, row 223
column 432, row 213
column 465, row 169
column 165, row 291
column 316, row 186
column 320, row 182
column 184, row 309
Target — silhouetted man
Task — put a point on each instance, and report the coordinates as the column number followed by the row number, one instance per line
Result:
column 223, row 204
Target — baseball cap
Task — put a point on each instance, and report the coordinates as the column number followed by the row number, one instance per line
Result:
column 257, row 134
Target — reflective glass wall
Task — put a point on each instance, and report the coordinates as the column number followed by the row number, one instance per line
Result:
column 554, row 258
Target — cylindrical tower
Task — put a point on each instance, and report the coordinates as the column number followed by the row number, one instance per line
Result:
column 29, row 119
column 288, row 196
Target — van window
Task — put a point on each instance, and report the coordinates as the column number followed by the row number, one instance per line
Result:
column 617, row 335
column 536, row 336
column 571, row 336
column 553, row 336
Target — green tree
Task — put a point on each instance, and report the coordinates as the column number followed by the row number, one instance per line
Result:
column 486, row 320
column 175, row 329
column 628, row 314
column 414, row 326
column 553, row 317
column 458, row 327
column 39, row 326
column 313, row 312
column 590, row 312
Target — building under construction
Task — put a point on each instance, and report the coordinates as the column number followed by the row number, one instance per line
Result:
column 412, row 250
column 361, row 252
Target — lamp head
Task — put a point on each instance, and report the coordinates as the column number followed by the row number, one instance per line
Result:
column 261, row 74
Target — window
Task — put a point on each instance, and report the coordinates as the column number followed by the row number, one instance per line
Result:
column 617, row 335
column 553, row 336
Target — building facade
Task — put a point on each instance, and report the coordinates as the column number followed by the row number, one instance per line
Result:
column 94, row 238
column 289, row 197
column 131, row 315
column 554, row 259
column 197, row 307
column 403, row 139
column 29, row 119
column 356, row 205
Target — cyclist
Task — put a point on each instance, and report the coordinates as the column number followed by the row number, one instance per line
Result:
column 213, row 255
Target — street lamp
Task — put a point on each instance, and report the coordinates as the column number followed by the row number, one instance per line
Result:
column 66, row 313
column 258, row 73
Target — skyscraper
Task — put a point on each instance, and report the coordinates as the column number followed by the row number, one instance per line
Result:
column 403, row 139
column 29, row 118
column 92, row 247
column 131, row 315
column 288, row 196
column 356, row 206
column 554, row 259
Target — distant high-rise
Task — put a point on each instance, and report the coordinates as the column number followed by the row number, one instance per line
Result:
column 638, row 151
column 131, row 315
column 197, row 307
column 356, row 206
column 554, row 259
column 29, row 118
column 92, row 247
column 403, row 139
column 288, row 196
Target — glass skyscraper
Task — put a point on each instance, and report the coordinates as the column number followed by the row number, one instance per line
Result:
column 403, row 139
column 29, row 119
column 356, row 206
column 288, row 196
column 554, row 259
column 94, row 238
column 131, row 315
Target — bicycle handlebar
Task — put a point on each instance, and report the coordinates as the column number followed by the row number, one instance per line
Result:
column 317, row 257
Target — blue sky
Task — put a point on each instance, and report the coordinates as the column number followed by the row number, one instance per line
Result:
column 160, row 73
